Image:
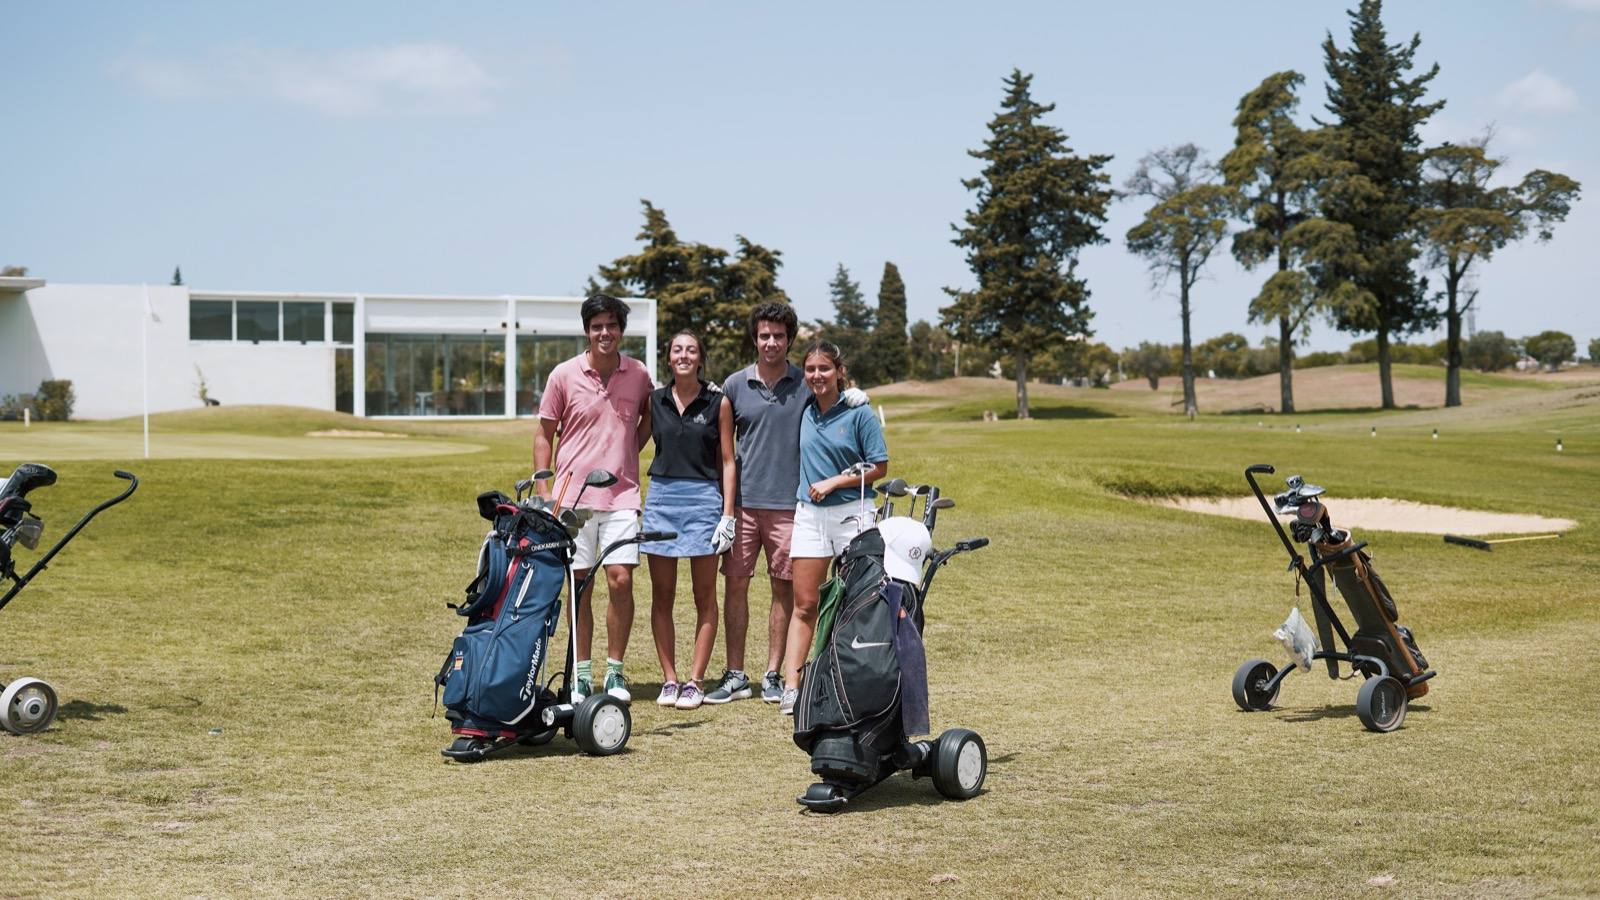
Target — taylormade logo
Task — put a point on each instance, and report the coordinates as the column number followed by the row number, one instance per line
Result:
column 532, row 683
column 855, row 643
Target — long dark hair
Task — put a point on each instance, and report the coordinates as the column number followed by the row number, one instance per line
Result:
column 834, row 355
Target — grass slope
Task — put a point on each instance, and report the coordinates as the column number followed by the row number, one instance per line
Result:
column 245, row 651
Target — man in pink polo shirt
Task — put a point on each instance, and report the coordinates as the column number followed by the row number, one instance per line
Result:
column 596, row 413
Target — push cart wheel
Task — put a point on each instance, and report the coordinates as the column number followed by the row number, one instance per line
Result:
column 538, row 738
column 1250, row 685
column 1381, row 703
column 960, row 763
column 602, row 725
column 27, row 705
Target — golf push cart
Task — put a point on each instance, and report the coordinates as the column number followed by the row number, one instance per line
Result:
column 863, row 692
column 1381, row 650
column 29, row 705
column 494, row 692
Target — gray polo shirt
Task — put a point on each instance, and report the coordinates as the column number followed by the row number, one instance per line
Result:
column 766, row 428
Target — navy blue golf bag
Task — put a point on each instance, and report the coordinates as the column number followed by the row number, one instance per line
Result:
column 493, row 679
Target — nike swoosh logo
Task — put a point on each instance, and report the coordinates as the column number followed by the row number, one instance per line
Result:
column 855, row 643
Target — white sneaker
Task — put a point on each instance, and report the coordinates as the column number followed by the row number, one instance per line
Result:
column 786, row 706
column 690, row 696
column 669, row 694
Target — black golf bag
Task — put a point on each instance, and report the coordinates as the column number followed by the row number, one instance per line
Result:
column 864, row 691
column 493, row 678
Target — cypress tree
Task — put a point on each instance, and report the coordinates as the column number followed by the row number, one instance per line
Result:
column 1376, row 112
column 891, row 351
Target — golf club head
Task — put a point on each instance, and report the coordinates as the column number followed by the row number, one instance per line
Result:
column 894, row 487
column 944, row 503
column 599, row 478
column 921, row 489
column 543, row 475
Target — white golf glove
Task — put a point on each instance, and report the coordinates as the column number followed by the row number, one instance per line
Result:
column 854, row 397
column 722, row 537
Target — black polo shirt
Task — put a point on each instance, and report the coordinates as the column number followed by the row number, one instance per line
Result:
column 687, row 445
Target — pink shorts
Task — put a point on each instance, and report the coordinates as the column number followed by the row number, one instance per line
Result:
column 753, row 530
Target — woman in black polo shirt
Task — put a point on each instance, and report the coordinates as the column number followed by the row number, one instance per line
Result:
column 691, row 493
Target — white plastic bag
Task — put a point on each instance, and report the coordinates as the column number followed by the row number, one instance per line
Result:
column 1297, row 638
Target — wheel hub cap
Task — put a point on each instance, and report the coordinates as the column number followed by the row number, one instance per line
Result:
column 969, row 765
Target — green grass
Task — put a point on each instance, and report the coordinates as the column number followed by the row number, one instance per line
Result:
column 245, row 651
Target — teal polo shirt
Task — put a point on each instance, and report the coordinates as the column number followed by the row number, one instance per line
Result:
column 834, row 441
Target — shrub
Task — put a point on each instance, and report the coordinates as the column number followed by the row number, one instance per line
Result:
column 54, row 400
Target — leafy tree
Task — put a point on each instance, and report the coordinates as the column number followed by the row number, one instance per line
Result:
column 851, row 327
column 890, row 352
column 1551, row 348
column 930, row 351
column 1491, row 351
column 1148, row 361
column 1038, row 205
column 1365, row 267
column 1277, row 167
column 1227, row 355
column 696, row 287
column 13, row 271
column 1092, row 361
column 1594, row 351
column 1188, row 221
column 1466, row 220
column 177, row 279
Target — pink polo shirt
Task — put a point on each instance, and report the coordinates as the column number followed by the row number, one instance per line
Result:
column 597, row 427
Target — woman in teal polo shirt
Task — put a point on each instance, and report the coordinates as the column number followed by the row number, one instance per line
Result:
column 833, row 437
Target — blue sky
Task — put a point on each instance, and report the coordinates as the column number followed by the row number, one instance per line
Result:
column 504, row 148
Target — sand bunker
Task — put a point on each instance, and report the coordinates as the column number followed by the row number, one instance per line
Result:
column 1384, row 514
column 352, row 433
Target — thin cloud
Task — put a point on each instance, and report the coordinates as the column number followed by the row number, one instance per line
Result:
column 1538, row 92
column 401, row 79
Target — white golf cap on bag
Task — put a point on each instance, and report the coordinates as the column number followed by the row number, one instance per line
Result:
column 906, row 545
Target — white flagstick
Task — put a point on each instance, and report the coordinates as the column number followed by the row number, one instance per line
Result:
column 144, row 363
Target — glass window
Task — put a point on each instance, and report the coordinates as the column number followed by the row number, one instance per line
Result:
column 210, row 320
column 302, row 321
column 536, row 356
column 344, row 323
column 258, row 320
column 435, row 374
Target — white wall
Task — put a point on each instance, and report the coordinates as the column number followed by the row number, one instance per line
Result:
column 90, row 334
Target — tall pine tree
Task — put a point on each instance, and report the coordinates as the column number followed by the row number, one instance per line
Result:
column 1277, row 167
column 1038, row 205
column 1377, row 112
column 891, row 351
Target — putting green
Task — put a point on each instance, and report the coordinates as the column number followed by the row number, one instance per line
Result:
column 57, row 444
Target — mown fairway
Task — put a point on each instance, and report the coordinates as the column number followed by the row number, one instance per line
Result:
column 245, row 652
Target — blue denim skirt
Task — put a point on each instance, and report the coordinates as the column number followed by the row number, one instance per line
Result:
column 688, row 506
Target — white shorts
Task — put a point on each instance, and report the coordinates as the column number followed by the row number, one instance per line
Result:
column 598, row 533
column 822, row 532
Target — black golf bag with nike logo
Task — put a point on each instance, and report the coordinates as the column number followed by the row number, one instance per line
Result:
column 850, row 715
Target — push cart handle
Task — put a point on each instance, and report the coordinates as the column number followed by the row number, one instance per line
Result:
column 1261, row 468
column 971, row 544
column 653, row 536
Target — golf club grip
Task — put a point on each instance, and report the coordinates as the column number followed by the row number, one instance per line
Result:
column 646, row 537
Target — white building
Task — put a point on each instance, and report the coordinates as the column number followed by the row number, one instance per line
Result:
column 419, row 355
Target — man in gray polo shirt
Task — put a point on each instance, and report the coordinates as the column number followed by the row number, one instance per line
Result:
column 768, row 398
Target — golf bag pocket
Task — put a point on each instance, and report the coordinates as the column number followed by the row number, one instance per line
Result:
column 489, row 585
column 507, row 682
column 460, row 665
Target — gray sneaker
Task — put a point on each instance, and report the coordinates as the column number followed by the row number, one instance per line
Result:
column 771, row 688
column 731, row 686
